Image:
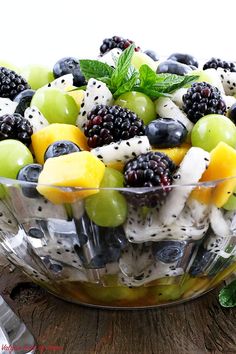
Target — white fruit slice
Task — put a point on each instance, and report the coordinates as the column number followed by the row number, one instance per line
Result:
column 189, row 172
column 166, row 108
column 96, row 93
column 177, row 96
column 36, row 119
column 123, row 150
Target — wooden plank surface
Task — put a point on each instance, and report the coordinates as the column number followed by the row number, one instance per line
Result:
column 196, row 327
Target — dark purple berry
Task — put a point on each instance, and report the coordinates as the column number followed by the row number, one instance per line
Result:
column 107, row 124
column 202, row 99
column 215, row 63
column 11, row 84
column 116, row 42
column 153, row 169
column 14, row 126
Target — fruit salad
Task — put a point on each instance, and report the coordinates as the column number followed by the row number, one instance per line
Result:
column 118, row 175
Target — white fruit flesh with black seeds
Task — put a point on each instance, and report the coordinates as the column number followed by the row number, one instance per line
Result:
column 221, row 235
column 192, row 224
column 138, row 267
column 8, row 222
column 123, row 150
column 177, row 96
column 229, row 101
column 36, row 119
column 111, row 57
column 228, row 80
column 63, row 83
column 96, row 93
column 7, row 106
column 189, row 173
column 166, row 108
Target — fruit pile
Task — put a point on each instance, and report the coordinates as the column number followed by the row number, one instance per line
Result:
column 126, row 169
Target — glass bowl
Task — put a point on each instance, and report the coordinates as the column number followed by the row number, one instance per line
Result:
column 144, row 262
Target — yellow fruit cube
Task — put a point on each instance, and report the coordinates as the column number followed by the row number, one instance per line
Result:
column 79, row 169
column 54, row 132
column 176, row 154
column 222, row 165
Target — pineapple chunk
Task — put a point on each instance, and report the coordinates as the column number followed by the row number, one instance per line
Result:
column 78, row 169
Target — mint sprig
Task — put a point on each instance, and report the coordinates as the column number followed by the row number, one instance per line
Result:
column 124, row 77
column 227, row 296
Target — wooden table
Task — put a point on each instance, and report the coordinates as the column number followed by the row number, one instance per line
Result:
column 200, row 326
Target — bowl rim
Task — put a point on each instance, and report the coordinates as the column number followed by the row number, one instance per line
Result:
column 10, row 182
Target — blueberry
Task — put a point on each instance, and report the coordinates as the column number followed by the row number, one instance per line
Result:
column 184, row 59
column 201, row 261
column 166, row 133
column 153, row 55
column 30, row 173
column 23, row 99
column 35, row 232
column 232, row 113
column 61, row 147
column 103, row 245
column 114, row 237
column 168, row 251
column 69, row 65
column 173, row 67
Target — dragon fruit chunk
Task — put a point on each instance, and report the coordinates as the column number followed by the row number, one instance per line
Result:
column 177, row 96
column 228, row 80
column 166, row 108
column 36, row 119
column 96, row 93
column 138, row 267
column 123, row 150
column 7, row 106
column 189, row 173
column 111, row 57
column 191, row 224
column 63, row 83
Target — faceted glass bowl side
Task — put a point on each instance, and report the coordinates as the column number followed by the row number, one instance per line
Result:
column 141, row 263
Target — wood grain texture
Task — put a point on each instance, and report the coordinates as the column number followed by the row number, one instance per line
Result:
column 196, row 327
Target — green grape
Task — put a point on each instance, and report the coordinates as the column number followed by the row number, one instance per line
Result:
column 56, row 105
column 37, row 75
column 139, row 59
column 107, row 208
column 112, row 179
column 139, row 103
column 13, row 156
column 212, row 129
column 231, row 202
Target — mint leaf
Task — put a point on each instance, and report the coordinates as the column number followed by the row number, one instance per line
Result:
column 95, row 69
column 120, row 73
column 174, row 82
column 147, row 76
column 163, row 85
column 151, row 92
column 127, row 86
column 227, row 296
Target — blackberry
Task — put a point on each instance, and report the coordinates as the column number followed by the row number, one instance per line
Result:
column 215, row 63
column 202, row 99
column 11, row 84
column 107, row 124
column 152, row 169
column 116, row 42
column 14, row 126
